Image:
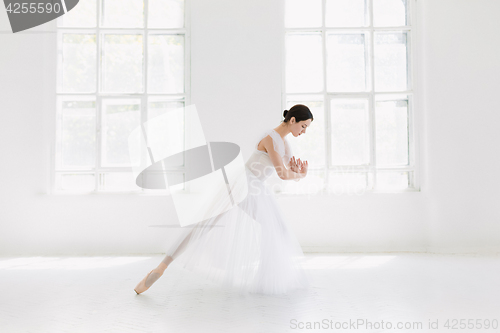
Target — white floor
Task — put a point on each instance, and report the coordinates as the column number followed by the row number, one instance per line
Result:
column 95, row 294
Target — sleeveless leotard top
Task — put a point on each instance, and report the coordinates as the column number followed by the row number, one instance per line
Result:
column 260, row 163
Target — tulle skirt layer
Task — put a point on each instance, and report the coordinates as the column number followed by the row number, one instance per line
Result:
column 249, row 248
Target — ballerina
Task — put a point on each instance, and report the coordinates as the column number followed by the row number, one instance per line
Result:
column 249, row 246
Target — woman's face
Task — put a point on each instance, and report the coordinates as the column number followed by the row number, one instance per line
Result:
column 299, row 128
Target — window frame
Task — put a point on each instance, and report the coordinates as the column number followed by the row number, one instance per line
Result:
column 98, row 170
column 413, row 93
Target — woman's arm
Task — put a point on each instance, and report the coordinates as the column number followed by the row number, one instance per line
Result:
column 277, row 161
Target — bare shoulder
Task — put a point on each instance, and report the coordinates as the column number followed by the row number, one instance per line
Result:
column 265, row 144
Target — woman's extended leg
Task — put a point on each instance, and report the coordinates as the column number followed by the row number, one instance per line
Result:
column 170, row 257
column 175, row 251
column 205, row 226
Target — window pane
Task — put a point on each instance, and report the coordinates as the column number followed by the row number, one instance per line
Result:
column 389, row 13
column 79, row 182
column 390, row 61
column 347, row 182
column 346, row 13
column 122, row 63
column 304, row 63
column 79, row 63
column 118, row 181
column 120, row 117
column 302, row 13
column 82, row 15
column 75, row 142
column 391, row 132
column 346, row 65
column 122, row 13
column 392, row 180
column 164, row 130
column 311, row 145
column 158, row 106
column 350, row 132
column 166, row 64
column 166, row 14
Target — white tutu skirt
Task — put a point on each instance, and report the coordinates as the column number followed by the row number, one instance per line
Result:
column 249, row 248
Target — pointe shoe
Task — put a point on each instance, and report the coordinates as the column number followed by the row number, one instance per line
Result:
column 145, row 284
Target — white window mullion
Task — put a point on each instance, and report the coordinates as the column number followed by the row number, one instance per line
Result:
column 410, row 86
column 415, row 161
column 389, row 29
column 371, row 102
column 98, row 142
column 326, row 101
column 411, row 143
column 328, row 139
column 354, row 94
column 98, row 139
column 144, row 96
column 98, row 100
column 145, row 37
column 187, row 52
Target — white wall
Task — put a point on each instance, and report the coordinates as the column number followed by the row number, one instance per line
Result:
column 236, row 86
column 462, row 78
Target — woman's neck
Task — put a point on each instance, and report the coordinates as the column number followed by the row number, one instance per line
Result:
column 282, row 130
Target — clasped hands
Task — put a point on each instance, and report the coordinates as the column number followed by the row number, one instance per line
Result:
column 298, row 166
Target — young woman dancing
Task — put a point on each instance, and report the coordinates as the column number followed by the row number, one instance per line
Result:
column 250, row 246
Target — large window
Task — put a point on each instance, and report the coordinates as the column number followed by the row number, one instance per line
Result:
column 350, row 61
column 120, row 63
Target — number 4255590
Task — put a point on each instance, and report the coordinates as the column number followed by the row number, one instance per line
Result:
column 41, row 7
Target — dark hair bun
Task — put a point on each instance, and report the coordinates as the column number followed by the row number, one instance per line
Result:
column 300, row 112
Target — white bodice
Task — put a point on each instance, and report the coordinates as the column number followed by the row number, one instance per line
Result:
column 260, row 163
